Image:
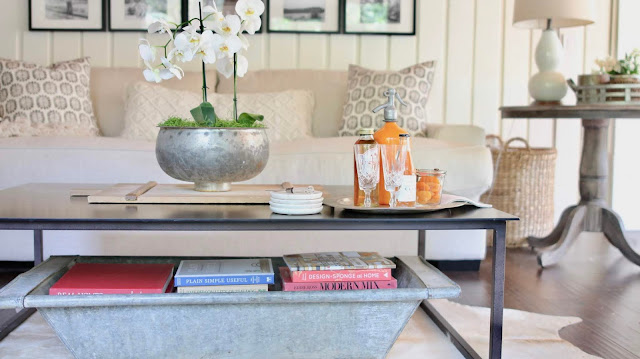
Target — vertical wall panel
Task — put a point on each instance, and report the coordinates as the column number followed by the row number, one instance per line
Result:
column 459, row 71
column 486, row 65
column 283, row 52
column 374, row 52
column 515, row 72
column 39, row 49
column 257, row 52
column 432, row 44
column 13, row 22
column 343, row 51
column 97, row 45
column 402, row 52
column 313, row 52
column 66, row 46
column 125, row 49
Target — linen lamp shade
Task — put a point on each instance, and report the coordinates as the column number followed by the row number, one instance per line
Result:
column 533, row 14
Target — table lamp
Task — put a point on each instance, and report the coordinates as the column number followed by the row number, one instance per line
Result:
column 549, row 85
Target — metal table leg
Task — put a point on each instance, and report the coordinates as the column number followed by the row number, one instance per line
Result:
column 497, row 300
column 37, row 247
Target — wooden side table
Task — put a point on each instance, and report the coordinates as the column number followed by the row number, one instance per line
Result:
column 591, row 214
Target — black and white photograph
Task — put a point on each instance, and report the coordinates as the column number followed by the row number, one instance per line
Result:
column 67, row 15
column 67, row 9
column 300, row 16
column 136, row 15
column 385, row 17
column 228, row 7
column 305, row 10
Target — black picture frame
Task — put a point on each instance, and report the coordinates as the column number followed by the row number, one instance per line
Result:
column 183, row 17
column 338, row 30
column 263, row 17
column 345, row 31
column 103, row 19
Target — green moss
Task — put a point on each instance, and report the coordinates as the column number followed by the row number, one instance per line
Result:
column 181, row 122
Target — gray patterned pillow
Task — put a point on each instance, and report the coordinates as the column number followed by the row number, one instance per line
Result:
column 46, row 101
column 366, row 91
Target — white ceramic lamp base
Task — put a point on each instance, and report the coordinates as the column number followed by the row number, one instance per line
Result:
column 548, row 85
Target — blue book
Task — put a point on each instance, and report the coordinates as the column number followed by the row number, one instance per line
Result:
column 193, row 273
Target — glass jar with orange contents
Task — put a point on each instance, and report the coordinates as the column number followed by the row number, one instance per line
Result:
column 429, row 185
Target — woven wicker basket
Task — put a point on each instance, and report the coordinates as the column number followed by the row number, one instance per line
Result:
column 523, row 186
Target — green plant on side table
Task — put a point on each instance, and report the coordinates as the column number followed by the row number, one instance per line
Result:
column 208, row 150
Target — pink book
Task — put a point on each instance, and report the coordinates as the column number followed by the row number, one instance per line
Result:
column 343, row 275
column 289, row 286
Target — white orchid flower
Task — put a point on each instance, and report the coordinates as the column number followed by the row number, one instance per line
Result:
column 147, row 52
column 244, row 40
column 207, row 49
column 160, row 27
column 242, row 65
column 225, row 66
column 226, row 46
column 249, row 8
column 229, row 26
column 157, row 74
column 180, row 54
column 252, row 24
column 173, row 69
column 187, row 41
column 211, row 16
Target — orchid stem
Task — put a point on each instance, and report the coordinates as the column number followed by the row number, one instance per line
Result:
column 235, row 87
column 204, row 73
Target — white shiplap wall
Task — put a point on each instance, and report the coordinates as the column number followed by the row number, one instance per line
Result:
column 483, row 63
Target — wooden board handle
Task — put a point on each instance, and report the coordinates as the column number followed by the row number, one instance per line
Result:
column 133, row 195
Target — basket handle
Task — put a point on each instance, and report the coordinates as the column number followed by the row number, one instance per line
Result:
column 507, row 145
column 498, row 139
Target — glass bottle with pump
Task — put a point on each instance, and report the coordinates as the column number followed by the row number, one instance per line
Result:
column 407, row 192
column 366, row 137
column 388, row 134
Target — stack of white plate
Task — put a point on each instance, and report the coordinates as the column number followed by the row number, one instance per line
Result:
column 283, row 202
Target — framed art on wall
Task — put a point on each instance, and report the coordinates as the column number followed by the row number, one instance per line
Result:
column 67, row 15
column 137, row 15
column 304, row 16
column 228, row 7
column 380, row 17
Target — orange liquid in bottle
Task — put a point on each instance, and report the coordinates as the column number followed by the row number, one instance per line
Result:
column 407, row 192
column 387, row 135
column 358, row 194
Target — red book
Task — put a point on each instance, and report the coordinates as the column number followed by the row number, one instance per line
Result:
column 343, row 275
column 114, row 278
column 289, row 286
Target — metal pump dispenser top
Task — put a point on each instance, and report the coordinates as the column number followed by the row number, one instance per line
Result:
column 390, row 113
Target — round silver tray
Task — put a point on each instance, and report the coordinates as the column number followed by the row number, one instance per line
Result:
column 347, row 203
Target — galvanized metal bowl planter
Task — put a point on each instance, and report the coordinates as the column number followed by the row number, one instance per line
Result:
column 212, row 158
column 274, row 324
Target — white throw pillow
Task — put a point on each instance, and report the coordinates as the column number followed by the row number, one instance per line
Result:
column 46, row 101
column 287, row 114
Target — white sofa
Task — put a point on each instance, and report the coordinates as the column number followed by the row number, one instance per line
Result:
column 323, row 159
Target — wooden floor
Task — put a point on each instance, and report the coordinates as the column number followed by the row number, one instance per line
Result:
column 593, row 282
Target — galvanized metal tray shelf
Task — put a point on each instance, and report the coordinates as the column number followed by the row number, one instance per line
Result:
column 609, row 94
column 274, row 324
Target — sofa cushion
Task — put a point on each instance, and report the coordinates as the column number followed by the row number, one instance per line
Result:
column 287, row 114
column 46, row 101
column 329, row 89
column 108, row 89
column 366, row 91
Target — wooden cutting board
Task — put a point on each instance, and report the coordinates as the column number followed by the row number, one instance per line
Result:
column 184, row 194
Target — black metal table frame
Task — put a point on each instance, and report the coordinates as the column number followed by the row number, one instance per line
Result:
column 498, row 226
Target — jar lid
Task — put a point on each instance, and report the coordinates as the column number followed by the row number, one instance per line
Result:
column 365, row 131
column 431, row 172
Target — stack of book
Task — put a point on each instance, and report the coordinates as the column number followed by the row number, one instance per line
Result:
column 224, row 275
column 114, row 278
column 337, row 271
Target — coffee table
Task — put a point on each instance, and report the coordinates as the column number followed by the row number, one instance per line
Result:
column 40, row 207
